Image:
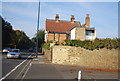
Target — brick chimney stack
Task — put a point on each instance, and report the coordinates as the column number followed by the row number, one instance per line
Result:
column 72, row 18
column 57, row 17
column 87, row 20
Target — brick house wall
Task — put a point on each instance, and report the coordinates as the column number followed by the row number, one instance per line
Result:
column 57, row 37
column 50, row 36
column 62, row 37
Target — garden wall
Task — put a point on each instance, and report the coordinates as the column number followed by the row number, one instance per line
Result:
column 47, row 53
column 69, row 55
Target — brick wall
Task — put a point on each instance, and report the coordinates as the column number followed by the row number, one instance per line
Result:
column 62, row 37
column 58, row 37
column 50, row 36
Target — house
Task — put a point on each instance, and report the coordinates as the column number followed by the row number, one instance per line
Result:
column 60, row 30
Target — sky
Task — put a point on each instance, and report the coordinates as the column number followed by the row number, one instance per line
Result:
column 23, row 15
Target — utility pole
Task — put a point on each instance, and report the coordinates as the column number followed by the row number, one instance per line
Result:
column 37, row 30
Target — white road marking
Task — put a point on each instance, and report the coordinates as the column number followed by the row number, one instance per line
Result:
column 14, row 69
column 26, row 71
column 22, row 70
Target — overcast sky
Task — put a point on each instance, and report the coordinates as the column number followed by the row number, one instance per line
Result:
column 23, row 15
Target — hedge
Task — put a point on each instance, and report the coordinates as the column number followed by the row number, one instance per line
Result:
column 95, row 44
column 46, row 46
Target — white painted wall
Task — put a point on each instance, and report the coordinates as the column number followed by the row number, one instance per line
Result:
column 90, row 37
column 72, row 36
column 46, row 36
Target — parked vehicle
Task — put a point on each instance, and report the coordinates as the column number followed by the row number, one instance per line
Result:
column 14, row 53
column 30, row 49
column 6, row 50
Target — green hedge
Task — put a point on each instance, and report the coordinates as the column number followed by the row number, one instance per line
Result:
column 95, row 44
column 46, row 46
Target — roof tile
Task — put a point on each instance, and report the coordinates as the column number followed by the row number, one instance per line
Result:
column 61, row 26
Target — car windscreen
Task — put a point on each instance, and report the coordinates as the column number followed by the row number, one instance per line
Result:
column 15, row 50
column 7, row 48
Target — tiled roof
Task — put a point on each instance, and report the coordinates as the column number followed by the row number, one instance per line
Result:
column 60, row 26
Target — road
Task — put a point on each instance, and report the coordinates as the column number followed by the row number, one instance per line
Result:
column 15, row 68
column 39, row 70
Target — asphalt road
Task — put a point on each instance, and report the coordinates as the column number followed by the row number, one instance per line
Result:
column 15, row 68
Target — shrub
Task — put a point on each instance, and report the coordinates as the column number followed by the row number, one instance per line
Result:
column 56, row 43
column 51, row 41
column 96, row 44
column 46, row 46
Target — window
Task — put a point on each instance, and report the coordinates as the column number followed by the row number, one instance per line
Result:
column 89, row 33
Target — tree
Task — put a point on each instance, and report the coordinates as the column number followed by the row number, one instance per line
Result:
column 12, row 38
column 40, row 38
column 22, row 41
column 6, row 30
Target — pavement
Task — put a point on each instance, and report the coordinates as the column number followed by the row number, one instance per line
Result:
column 41, row 68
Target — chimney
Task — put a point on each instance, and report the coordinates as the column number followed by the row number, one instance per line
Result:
column 57, row 17
column 87, row 20
column 72, row 18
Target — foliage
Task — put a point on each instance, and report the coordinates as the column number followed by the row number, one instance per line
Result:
column 95, row 44
column 56, row 43
column 40, row 38
column 46, row 46
column 6, row 30
column 12, row 38
column 51, row 41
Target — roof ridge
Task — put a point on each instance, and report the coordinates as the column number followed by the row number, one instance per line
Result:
column 61, row 20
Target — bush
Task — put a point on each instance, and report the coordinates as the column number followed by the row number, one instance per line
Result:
column 96, row 44
column 56, row 43
column 46, row 46
column 51, row 41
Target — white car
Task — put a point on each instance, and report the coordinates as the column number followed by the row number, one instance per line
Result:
column 15, row 53
column 6, row 50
